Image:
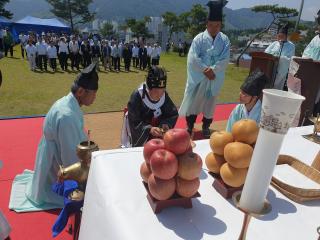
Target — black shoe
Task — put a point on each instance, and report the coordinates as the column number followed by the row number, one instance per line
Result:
column 206, row 133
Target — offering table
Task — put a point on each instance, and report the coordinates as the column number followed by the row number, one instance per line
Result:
column 116, row 206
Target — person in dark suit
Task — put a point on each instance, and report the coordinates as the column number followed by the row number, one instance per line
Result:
column 143, row 57
column 127, row 55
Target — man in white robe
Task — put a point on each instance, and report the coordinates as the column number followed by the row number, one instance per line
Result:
column 63, row 130
column 285, row 49
column 208, row 59
column 250, row 103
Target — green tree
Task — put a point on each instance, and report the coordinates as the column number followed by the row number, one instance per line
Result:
column 73, row 11
column 197, row 19
column 106, row 30
column 138, row 27
column 3, row 11
column 171, row 20
column 278, row 15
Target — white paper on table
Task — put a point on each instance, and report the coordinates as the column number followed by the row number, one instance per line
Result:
column 291, row 176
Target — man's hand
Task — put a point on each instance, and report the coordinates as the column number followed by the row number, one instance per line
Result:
column 165, row 127
column 156, row 132
column 209, row 73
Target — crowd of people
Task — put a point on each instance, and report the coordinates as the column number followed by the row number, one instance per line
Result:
column 79, row 51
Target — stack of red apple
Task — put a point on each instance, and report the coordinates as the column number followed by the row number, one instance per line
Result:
column 170, row 166
column 231, row 152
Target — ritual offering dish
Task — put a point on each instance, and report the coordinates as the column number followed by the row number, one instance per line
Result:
column 231, row 155
column 171, row 171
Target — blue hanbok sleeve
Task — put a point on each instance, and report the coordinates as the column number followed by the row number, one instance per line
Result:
column 234, row 117
column 70, row 134
column 194, row 56
column 222, row 59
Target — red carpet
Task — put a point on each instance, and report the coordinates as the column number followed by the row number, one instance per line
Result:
column 18, row 145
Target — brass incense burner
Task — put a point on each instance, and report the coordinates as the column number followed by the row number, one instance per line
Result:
column 80, row 170
column 315, row 136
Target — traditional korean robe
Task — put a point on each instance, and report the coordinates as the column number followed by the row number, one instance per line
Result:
column 288, row 51
column 240, row 112
column 143, row 113
column 200, row 92
column 62, row 132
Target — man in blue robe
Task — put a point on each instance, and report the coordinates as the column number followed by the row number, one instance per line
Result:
column 63, row 130
column 313, row 51
column 313, row 48
column 285, row 49
column 250, row 103
column 208, row 59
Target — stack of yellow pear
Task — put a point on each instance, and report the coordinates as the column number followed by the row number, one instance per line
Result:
column 231, row 152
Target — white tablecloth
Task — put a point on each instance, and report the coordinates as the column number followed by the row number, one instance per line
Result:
column 116, row 206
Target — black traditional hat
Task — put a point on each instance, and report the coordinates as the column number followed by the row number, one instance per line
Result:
column 283, row 29
column 215, row 10
column 157, row 77
column 254, row 83
column 318, row 17
column 88, row 78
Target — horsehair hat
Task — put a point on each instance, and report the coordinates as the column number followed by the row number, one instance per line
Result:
column 157, row 77
column 215, row 10
column 88, row 78
column 283, row 28
column 254, row 83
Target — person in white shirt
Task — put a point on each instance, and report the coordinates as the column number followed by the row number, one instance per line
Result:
column 31, row 51
column 23, row 42
column 74, row 53
column 155, row 55
column 135, row 55
column 52, row 55
column 63, row 53
column 115, row 52
column 42, row 54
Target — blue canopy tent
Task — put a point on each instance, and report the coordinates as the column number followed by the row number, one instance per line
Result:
column 5, row 22
column 40, row 25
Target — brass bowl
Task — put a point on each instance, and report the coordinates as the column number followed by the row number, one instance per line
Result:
column 84, row 150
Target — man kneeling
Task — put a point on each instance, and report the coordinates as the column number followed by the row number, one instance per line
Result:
column 150, row 109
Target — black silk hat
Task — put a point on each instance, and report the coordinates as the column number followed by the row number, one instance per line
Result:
column 254, row 83
column 156, row 78
column 215, row 10
column 88, row 78
column 284, row 29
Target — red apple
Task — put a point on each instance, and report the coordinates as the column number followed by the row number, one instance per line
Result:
column 187, row 188
column 150, row 147
column 145, row 172
column 190, row 165
column 161, row 189
column 164, row 164
column 177, row 140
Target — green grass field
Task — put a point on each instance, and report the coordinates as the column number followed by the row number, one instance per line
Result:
column 24, row 92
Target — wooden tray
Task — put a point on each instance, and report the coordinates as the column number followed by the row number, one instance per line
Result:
column 295, row 193
column 175, row 201
column 225, row 190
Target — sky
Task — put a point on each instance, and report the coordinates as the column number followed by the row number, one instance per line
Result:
column 311, row 7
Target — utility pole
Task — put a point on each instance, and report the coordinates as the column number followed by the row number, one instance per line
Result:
column 298, row 20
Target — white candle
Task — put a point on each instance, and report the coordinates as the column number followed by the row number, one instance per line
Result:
column 278, row 111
